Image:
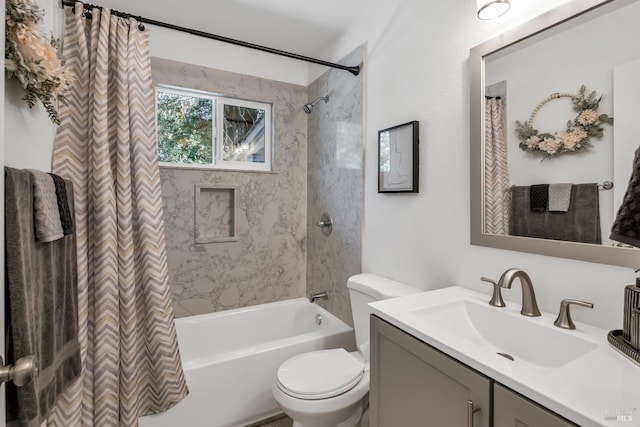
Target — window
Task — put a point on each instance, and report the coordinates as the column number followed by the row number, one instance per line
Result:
column 205, row 130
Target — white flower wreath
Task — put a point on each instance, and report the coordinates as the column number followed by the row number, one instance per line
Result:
column 577, row 134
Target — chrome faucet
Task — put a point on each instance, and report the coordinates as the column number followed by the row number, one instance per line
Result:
column 529, row 304
column 318, row 296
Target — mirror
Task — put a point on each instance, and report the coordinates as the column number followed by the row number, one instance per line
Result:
column 583, row 42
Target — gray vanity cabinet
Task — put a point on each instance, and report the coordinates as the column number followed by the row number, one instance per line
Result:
column 511, row 409
column 415, row 385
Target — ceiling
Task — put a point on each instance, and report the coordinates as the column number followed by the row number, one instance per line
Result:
column 305, row 27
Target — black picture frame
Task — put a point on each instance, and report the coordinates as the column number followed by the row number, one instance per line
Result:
column 398, row 158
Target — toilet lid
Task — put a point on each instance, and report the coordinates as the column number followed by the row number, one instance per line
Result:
column 320, row 374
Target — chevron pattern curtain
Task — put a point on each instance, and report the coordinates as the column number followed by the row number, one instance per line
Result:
column 497, row 194
column 106, row 145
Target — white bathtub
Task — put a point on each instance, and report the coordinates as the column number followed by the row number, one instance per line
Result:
column 230, row 359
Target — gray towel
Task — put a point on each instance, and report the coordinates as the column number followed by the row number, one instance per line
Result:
column 626, row 226
column 45, row 207
column 580, row 224
column 539, row 197
column 63, row 204
column 42, row 315
column 559, row 197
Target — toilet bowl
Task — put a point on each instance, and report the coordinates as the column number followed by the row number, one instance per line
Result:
column 329, row 388
column 323, row 388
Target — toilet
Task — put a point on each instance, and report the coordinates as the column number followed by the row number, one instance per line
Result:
column 330, row 388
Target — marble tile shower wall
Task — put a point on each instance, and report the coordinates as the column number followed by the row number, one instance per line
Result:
column 267, row 262
column 335, row 184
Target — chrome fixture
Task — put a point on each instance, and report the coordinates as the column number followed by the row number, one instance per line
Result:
column 471, row 410
column 606, row 185
column 490, row 9
column 564, row 316
column 318, row 296
column 325, row 224
column 309, row 107
column 21, row 373
column 496, row 296
column 529, row 304
column 505, row 355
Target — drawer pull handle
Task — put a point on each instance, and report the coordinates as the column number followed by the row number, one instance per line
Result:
column 471, row 410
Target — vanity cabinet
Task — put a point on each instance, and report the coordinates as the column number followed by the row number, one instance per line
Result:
column 413, row 384
column 510, row 409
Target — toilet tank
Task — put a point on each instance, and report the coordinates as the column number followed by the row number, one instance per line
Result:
column 366, row 288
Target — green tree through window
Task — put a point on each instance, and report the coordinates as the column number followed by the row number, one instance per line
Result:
column 184, row 128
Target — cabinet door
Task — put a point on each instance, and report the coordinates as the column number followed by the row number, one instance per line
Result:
column 413, row 384
column 510, row 409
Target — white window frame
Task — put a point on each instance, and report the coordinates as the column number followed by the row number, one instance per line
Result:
column 218, row 103
column 268, row 140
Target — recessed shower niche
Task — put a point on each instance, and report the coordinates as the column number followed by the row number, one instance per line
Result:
column 215, row 214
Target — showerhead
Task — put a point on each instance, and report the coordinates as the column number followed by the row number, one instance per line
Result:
column 308, row 108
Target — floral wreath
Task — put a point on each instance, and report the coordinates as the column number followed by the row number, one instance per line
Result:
column 578, row 133
column 31, row 57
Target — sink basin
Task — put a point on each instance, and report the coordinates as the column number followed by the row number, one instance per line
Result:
column 522, row 338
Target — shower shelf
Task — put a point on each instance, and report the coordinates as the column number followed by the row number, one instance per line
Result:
column 215, row 214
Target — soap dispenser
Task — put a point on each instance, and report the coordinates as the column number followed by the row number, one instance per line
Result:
column 631, row 302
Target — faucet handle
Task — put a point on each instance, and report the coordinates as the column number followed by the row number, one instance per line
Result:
column 564, row 316
column 496, row 296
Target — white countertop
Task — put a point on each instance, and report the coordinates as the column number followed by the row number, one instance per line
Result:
column 590, row 390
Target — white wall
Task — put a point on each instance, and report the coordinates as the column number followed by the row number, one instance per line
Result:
column 418, row 69
column 182, row 47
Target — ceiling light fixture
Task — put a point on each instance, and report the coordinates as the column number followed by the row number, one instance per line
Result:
column 490, row 9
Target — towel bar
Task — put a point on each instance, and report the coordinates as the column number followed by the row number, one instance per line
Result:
column 607, row 185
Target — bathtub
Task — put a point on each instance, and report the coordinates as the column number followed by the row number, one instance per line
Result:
column 230, row 359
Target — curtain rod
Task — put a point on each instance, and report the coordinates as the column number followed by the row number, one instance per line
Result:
column 355, row 70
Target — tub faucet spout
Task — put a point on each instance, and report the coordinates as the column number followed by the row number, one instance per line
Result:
column 529, row 304
column 318, row 296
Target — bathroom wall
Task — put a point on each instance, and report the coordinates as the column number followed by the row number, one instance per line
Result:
column 267, row 262
column 418, row 69
column 335, row 184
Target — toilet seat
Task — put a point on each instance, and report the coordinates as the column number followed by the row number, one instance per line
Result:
column 320, row 374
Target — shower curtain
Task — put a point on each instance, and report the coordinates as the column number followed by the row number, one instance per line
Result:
column 497, row 194
column 106, row 145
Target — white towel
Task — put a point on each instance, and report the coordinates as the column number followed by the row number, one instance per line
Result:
column 559, row 197
column 46, row 214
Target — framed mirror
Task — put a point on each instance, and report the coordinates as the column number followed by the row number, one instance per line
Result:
column 545, row 63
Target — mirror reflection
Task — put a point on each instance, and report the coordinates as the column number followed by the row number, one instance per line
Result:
column 551, row 147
